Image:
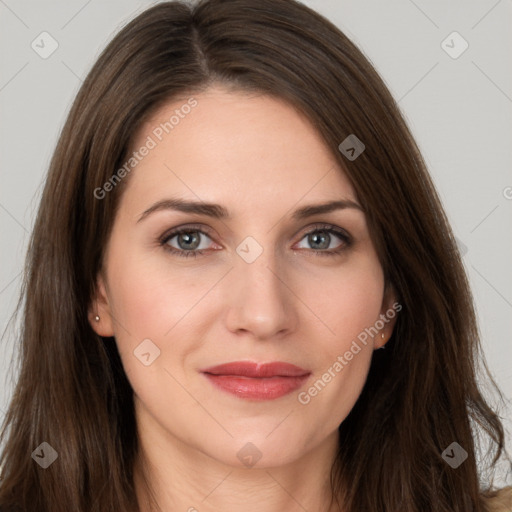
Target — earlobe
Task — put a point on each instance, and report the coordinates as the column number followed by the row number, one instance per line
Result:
column 388, row 316
column 381, row 341
column 99, row 315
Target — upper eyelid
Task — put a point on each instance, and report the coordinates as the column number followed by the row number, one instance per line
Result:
column 187, row 227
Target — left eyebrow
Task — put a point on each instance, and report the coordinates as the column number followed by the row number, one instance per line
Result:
column 315, row 209
column 218, row 211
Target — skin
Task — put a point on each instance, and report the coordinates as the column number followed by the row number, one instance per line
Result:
column 260, row 159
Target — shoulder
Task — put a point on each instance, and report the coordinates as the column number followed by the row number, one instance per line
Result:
column 499, row 501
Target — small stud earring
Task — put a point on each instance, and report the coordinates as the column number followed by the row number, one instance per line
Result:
column 382, row 335
column 97, row 318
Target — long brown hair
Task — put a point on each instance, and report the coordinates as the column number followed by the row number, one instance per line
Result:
column 421, row 393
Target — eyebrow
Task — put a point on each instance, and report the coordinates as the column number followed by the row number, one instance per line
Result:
column 218, row 211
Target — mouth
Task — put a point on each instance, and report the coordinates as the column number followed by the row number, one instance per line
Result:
column 257, row 381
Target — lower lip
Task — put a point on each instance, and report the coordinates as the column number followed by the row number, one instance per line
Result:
column 251, row 388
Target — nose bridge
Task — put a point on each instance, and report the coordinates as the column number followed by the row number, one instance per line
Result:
column 260, row 299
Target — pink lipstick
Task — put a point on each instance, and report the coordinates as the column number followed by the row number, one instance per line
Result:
column 257, row 381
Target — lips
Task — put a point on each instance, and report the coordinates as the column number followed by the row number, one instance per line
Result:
column 257, row 381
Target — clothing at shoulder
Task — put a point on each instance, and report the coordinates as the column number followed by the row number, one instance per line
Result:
column 501, row 501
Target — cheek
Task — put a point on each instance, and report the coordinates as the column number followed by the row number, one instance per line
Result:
column 347, row 300
column 150, row 302
column 159, row 301
column 149, row 297
column 350, row 303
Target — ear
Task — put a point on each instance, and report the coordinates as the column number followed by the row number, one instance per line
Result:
column 100, row 307
column 388, row 315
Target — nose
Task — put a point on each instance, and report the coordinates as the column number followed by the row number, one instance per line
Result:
column 260, row 300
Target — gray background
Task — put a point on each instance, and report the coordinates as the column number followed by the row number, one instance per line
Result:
column 459, row 110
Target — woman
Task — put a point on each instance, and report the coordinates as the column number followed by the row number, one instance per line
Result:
column 235, row 220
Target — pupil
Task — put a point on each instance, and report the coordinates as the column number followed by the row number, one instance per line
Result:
column 189, row 239
column 316, row 236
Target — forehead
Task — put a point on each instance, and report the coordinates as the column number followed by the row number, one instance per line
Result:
column 225, row 146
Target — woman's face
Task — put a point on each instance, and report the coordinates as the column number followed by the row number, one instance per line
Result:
column 260, row 278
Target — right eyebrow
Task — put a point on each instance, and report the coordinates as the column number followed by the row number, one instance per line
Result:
column 209, row 209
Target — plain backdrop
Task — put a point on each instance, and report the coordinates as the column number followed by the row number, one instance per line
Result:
column 457, row 103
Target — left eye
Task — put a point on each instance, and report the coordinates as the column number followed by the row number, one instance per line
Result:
column 320, row 240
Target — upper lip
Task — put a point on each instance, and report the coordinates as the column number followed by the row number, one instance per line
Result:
column 251, row 369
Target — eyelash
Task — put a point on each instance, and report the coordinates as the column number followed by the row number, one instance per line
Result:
column 328, row 228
